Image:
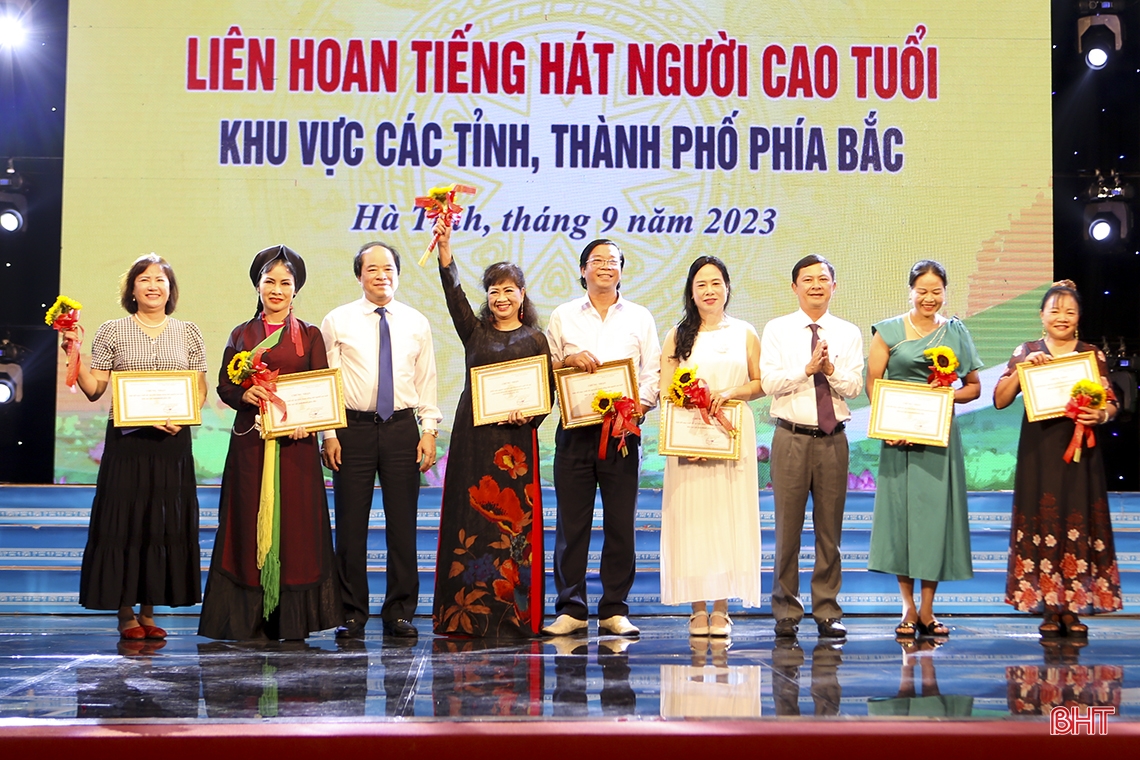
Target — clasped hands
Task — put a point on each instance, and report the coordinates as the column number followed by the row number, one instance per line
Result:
column 820, row 361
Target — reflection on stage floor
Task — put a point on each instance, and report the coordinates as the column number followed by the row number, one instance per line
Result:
column 74, row 668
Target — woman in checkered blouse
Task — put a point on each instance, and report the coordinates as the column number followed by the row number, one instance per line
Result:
column 142, row 542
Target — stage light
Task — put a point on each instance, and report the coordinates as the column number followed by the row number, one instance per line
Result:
column 1103, row 227
column 11, row 31
column 13, row 213
column 1100, row 33
column 1108, row 217
column 11, row 384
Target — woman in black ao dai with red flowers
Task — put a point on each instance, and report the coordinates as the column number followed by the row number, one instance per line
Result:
column 1062, row 562
column 489, row 568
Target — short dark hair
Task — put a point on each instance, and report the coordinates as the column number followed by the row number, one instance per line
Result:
column 810, row 260
column 142, row 263
column 505, row 271
column 590, row 249
column 927, row 266
column 358, row 261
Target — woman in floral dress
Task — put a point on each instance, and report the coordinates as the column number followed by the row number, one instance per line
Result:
column 1062, row 563
column 489, row 569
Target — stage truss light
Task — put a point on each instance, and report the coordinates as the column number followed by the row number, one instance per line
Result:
column 11, row 31
column 11, row 384
column 1100, row 34
column 1108, row 216
column 13, row 213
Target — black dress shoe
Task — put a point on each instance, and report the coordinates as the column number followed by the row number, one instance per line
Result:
column 350, row 630
column 832, row 629
column 402, row 629
column 787, row 627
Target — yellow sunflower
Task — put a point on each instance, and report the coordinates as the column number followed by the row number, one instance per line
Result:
column 604, row 401
column 238, row 368
column 942, row 358
column 1094, row 392
column 62, row 305
column 682, row 377
column 439, row 194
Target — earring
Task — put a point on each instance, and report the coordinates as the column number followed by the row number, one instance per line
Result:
column 1076, row 333
column 1042, row 333
column 520, row 311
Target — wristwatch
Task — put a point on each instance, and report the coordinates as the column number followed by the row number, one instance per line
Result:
column 433, row 432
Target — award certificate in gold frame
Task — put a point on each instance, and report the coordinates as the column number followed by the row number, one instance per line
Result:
column 684, row 432
column 141, row 399
column 1048, row 387
column 911, row 412
column 313, row 400
column 577, row 389
column 498, row 389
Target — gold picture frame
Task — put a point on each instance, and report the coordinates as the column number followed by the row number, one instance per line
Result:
column 577, row 389
column 313, row 400
column 141, row 399
column 684, row 432
column 1048, row 387
column 519, row 384
column 912, row 412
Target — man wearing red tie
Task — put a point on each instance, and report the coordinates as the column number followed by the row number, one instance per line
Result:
column 810, row 363
column 385, row 354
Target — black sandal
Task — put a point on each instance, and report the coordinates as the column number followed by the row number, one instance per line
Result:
column 906, row 630
column 934, row 628
column 1050, row 627
column 1073, row 626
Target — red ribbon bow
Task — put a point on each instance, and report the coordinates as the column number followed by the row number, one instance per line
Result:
column 617, row 423
column 698, row 395
column 263, row 377
column 1082, row 434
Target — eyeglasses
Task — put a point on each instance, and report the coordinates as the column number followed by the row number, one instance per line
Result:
column 604, row 263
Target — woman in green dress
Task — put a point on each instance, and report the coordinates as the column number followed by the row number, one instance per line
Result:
column 920, row 527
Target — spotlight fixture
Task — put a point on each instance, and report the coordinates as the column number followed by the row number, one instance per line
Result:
column 1108, row 218
column 13, row 213
column 11, row 31
column 1100, row 34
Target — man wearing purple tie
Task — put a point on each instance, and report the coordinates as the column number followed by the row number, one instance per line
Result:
column 385, row 354
column 810, row 362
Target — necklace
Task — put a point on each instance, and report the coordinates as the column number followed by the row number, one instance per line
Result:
column 918, row 332
column 139, row 319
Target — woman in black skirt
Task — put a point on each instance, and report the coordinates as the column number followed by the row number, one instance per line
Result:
column 142, row 543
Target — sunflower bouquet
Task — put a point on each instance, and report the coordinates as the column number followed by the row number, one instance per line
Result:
column 1085, row 394
column 688, row 390
column 618, row 414
column 440, row 201
column 63, row 316
column 247, row 370
column 943, row 366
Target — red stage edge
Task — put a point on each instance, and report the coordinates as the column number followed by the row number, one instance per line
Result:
column 553, row 740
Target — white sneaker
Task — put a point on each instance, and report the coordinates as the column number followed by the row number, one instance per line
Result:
column 565, row 625
column 618, row 625
column 720, row 625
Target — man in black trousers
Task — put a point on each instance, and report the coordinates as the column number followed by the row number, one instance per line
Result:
column 385, row 354
column 601, row 326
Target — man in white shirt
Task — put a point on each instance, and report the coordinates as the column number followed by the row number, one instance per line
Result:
column 810, row 362
column 599, row 327
column 384, row 351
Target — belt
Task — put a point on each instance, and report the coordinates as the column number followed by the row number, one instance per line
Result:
column 374, row 418
column 811, row 430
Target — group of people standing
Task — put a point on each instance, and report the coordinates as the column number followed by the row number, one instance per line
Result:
column 143, row 540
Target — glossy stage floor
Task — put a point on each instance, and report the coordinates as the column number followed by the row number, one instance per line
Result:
column 68, row 683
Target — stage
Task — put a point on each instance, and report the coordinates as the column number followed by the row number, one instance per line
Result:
column 65, row 677
column 68, row 677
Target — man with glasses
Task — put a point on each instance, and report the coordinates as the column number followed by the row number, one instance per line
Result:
column 599, row 327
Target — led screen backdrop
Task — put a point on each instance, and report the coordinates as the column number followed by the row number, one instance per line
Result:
column 873, row 132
